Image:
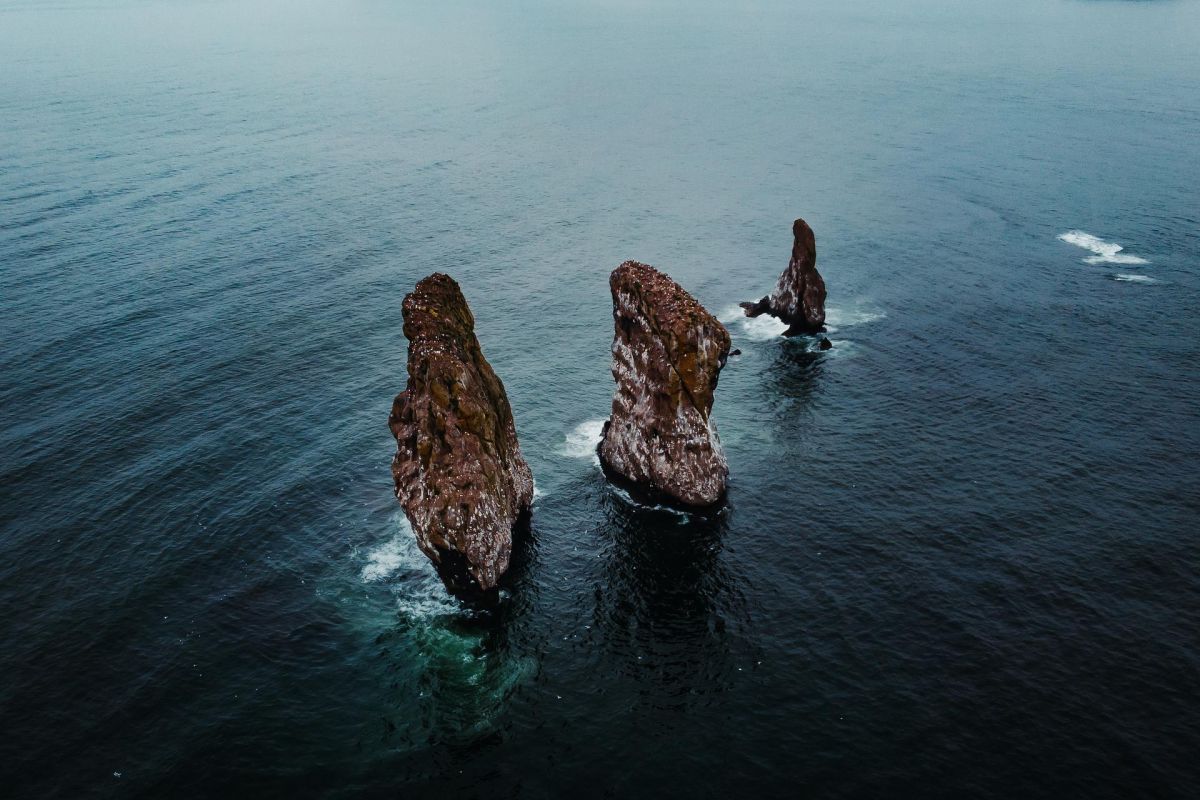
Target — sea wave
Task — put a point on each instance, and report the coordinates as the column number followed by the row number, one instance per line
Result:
column 756, row 329
column 730, row 315
column 766, row 327
column 838, row 318
column 1104, row 252
column 683, row 517
column 763, row 328
column 387, row 557
column 1120, row 276
column 419, row 592
column 582, row 440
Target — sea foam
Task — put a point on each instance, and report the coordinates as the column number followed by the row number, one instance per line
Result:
column 582, row 440
column 1120, row 276
column 415, row 582
column 1105, row 252
column 682, row 517
column 838, row 318
column 763, row 328
column 386, row 558
column 756, row 329
column 766, row 327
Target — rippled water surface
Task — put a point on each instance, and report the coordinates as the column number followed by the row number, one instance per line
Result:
column 960, row 556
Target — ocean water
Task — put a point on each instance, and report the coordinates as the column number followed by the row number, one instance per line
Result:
column 960, row 556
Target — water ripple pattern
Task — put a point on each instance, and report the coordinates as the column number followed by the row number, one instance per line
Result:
column 959, row 557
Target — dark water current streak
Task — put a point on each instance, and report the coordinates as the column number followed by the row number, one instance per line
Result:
column 960, row 555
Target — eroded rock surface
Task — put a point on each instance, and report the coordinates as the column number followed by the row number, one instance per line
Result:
column 667, row 354
column 799, row 295
column 458, row 467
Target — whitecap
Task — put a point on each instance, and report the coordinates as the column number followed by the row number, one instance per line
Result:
column 763, row 328
column 427, row 599
column 756, row 329
column 730, row 315
column 838, row 318
column 583, row 439
column 1118, row 258
column 1105, row 252
column 1133, row 278
column 419, row 592
column 386, row 558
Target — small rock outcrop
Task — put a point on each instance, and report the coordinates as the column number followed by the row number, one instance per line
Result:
column 799, row 295
column 458, row 468
column 667, row 353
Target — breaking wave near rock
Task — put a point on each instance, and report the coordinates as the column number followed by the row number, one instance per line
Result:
column 582, row 440
column 765, row 327
column 399, row 562
column 390, row 556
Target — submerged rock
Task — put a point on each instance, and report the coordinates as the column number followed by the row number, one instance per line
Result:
column 825, row 344
column 458, row 468
column 799, row 295
column 667, row 353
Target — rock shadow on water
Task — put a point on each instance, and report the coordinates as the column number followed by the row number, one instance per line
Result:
column 453, row 664
column 454, row 570
column 797, row 368
column 654, row 501
column 667, row 606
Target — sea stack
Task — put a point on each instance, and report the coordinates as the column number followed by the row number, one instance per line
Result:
column 458, row 468
column 667, row 353
column 799, row 295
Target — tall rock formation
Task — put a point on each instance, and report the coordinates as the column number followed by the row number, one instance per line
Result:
column 458, row 468
column 799, row 295
column 667, row 353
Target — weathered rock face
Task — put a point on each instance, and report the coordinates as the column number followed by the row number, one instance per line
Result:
column 667, row 353
column 799, row 296
column 458, row 468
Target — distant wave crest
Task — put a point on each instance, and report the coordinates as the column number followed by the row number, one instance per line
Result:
column 838, row 318
column 1104, row 252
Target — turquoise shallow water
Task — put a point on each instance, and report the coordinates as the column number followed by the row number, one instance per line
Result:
column 959, row 557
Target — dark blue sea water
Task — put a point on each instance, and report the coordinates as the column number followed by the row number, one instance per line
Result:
column 960, row 557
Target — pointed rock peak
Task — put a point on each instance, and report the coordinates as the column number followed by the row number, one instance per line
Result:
column 799, row 295
column 437, row 308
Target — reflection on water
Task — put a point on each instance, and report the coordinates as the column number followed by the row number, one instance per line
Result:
column 797, row 368
column 666, row 602
column 962, row 533
column 450, row 658
column 461, row 672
